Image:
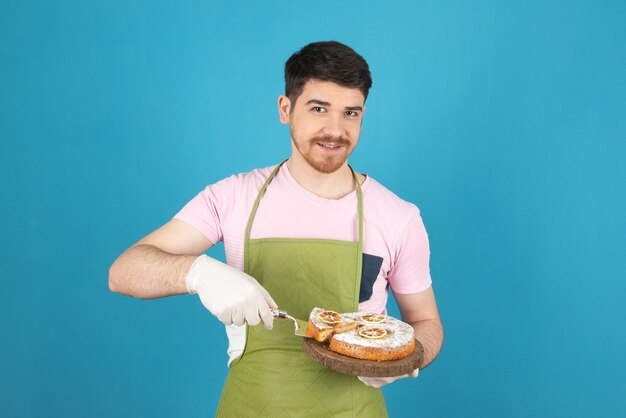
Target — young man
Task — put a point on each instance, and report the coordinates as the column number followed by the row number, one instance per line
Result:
column 307, row 232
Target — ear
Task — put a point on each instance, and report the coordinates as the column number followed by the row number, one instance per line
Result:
column 284, row 109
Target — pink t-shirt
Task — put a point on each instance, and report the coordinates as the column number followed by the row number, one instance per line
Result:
column 395, row 243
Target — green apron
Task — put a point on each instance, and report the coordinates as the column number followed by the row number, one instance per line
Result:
column 274, row 377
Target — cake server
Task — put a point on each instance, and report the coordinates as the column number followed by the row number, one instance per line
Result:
column 299, row 325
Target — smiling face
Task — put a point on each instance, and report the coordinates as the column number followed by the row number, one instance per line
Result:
column 325, row 123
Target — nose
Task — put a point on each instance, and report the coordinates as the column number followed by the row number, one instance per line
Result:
column 334, row 127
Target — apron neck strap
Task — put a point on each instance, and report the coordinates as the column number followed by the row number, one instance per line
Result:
column 359, row 197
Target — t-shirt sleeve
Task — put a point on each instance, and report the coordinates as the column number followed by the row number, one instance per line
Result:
column 411, row 271
column 203, row 211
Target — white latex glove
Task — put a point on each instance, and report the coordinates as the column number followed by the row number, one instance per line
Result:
column 231, row 295
column 379, row 382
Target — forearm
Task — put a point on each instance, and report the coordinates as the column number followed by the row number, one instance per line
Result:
column 430, row 334
column 146, row 272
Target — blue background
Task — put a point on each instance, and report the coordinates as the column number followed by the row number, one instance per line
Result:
column 504, row 122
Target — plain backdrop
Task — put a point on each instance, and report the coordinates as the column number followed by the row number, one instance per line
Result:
column 505, row 122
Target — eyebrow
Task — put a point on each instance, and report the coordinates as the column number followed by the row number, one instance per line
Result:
column 327, row 104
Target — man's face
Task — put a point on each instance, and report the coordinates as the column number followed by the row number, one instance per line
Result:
column 325, row 123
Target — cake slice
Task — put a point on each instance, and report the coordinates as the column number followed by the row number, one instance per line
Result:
column 323, row 324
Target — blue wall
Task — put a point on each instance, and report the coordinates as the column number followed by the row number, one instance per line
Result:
column 504, row 123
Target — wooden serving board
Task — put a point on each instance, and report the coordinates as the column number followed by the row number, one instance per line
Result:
column 322, row 354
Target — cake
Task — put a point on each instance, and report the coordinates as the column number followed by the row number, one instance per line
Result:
column 323, row 324
column 362, row 335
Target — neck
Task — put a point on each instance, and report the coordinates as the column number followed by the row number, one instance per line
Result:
column 328, row 185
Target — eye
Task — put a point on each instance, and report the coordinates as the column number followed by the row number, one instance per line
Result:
column 351, row 113
column 318, row 109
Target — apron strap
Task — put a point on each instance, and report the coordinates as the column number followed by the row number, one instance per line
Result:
column 359, row 247
column 359, row 197
column 253, row 213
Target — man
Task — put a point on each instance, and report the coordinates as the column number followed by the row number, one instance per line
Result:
column 307, row 232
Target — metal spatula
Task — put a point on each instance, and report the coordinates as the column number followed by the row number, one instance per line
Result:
column 300, row 325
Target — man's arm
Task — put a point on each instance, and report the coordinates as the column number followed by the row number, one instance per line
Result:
column 420, row 311
column 158, row 264
column 167, row 262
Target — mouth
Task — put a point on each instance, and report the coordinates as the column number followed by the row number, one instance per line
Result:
column 332, row 148
column 329, row 146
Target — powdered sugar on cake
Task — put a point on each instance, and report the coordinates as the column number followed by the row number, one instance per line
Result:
column 323, row 325
column 399, row 333
column 362, row 335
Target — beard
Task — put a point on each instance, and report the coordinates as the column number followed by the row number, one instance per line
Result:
column 320, row 161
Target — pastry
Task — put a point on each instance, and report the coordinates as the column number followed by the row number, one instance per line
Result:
column 324, row 323
column 362, row 335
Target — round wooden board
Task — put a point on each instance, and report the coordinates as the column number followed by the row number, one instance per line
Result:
column 322, row 354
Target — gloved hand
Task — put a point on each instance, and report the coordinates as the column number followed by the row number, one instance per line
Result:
column 378, row 382
column 231, row 295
